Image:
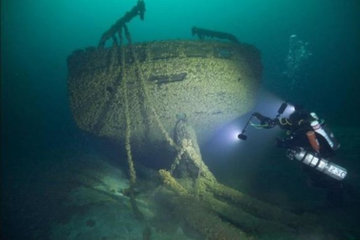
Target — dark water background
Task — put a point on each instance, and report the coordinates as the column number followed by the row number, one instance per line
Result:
column 38, row 35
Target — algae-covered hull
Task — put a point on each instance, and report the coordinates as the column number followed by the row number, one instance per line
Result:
column 209, row 82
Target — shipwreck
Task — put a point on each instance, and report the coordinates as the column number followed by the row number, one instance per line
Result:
column 175, row 94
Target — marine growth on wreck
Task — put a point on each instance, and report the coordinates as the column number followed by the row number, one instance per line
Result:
column 174, row 94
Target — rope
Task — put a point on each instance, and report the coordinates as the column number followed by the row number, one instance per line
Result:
column 176, row 162
column 148, row 103
column 132, row 172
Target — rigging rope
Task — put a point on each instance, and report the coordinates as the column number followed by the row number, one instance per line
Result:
column 132, row 172
column 145, row 92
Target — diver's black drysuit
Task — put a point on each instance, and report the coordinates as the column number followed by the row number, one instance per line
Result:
column 300, row 133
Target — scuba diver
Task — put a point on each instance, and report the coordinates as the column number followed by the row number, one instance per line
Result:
column 309, row 141
column 304, row 130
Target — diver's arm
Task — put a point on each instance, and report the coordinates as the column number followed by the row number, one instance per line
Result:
column 265, row 122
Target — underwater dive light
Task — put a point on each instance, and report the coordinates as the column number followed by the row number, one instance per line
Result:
column 242, row 135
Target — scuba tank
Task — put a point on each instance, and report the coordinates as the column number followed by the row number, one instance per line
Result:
column 331, row 169
column 324, row 131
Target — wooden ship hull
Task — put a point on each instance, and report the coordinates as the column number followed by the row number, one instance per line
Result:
column 209, row 82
